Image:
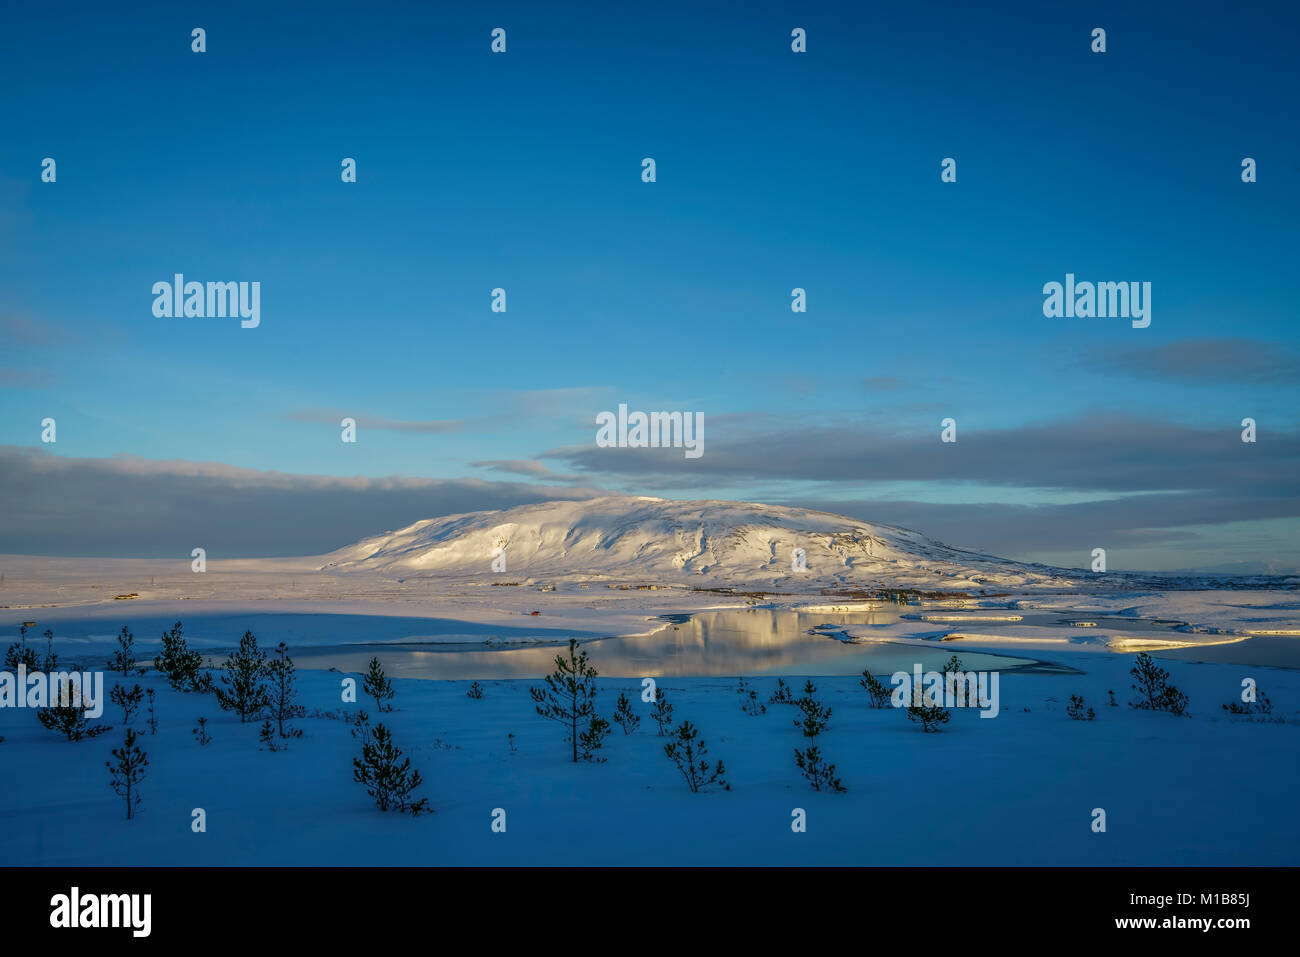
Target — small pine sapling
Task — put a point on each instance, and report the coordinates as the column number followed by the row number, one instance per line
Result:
column 782, row 693
column 749, row 702
column 568, row 697
column 244, row 677
column 688, row 752
column 875, row 689
column 1075, row 709
column 153, row 718
column 128, row 701
column 181, row 666
column 267, row 736
column 950, row 670
column 930, row 714
column 377, row 685
column 475, row 691
column 1259, row 705
column 387, row 774
column 67, row 713
column 662, row 711
column 1110, row 699
column 201, row 732
column 820, row 773
column 627, row 719
column 815, row 716
column 591, row 740
column 19, row 653
column 125, row 776
column 1154, row 691
column 123, row 660
column 283, row 695
column 51, row 662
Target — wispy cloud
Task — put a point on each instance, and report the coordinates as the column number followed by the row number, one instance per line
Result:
column 1104, row 452
column 27, row 379
column 559, row 403
column 17, row 331
column 882, row 383
column 527, row 467
column 133, row 507
column 1202, row 361
column 1004, row 529
column 377, row 422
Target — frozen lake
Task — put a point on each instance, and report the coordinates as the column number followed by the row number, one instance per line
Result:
column 732, row 642
column 754, row 641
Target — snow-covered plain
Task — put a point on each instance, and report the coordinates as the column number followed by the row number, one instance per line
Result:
column 1016, row 789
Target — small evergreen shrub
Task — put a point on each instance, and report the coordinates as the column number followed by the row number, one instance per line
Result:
column 125, row 775
column 591, row 740
column 387, row 775
column 1075, row 709
column 820, row 773
column 128, row 701
column 1261, row 705
column 244, row 680
column 123, row 660
column 627, row 719
column 51, row 662
column 931, row 717
column 377, row 685
column 66, row 714
column 782, row 693
column 569, row 697
column 662, row 711
column 749, row 702
column 19, row 653
column 688, row 752
column 879, row 694
column 283, row 695
column 181, row 666
column 1154, row 692
column 201, row 732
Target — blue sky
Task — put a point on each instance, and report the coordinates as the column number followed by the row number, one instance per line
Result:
column 774, row 170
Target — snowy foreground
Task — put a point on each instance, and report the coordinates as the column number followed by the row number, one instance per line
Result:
column 1016, row 789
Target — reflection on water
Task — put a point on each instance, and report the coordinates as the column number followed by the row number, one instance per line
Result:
column 1264, row 651
column 750, row 642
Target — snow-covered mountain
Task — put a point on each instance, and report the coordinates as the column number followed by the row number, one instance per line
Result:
column 641, row 539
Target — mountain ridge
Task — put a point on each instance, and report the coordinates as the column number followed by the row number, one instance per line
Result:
column 625, row 537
